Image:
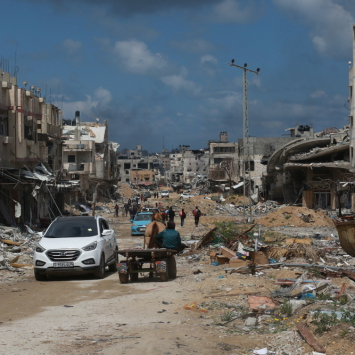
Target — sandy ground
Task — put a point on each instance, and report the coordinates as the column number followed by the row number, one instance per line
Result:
column 87, row 316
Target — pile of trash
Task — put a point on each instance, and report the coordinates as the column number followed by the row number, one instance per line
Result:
column 17, row 247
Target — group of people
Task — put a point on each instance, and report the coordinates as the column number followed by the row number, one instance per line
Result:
column 170, row 215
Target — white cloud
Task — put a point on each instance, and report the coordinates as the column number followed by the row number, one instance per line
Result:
column 137, row 58
column 318, row 94
column 180, row 83
column 208, row 58
column 102, row 97
column 231, row 11
column 329, row 24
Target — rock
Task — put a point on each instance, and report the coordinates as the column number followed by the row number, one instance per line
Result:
column 250, row 322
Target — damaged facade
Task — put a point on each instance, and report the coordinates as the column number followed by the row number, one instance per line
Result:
column 30, row 142
column 90, row 158
column 306, row 170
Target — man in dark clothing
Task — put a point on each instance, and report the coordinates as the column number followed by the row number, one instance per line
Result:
column 171, row 214
column 197, row 215
column 170, row 238
column 126, row 208
column 116, row 210
column 182, row 217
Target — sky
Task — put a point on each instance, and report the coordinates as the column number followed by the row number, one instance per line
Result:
column 159, row 71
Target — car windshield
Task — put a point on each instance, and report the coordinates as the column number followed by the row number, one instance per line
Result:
column 143, row 217
column 72, row 229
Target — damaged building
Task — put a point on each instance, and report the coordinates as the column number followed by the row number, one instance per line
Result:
column 309, row 170
column 30, row 142
column 90, row 158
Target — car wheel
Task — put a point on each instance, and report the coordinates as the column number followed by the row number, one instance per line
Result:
column 113, row 267
column 39, row 276
column 100, row 274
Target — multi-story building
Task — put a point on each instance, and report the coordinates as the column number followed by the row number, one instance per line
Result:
column 195, row 162
column 30, row 144
column 89, row 157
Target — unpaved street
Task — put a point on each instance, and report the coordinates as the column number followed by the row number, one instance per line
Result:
column 82, row 315
column 188, row 315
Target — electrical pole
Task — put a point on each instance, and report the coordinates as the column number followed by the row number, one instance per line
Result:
column 246, row 136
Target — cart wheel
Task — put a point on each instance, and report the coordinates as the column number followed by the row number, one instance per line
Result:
column 164, row 276
column 123, row 278
column 171, row 267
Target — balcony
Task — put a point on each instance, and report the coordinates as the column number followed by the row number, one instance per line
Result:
column 77, row 147
column 79, row 168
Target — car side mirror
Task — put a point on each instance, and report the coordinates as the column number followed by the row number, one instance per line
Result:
column 131, row 220
column 40, row 234
column 106, row 232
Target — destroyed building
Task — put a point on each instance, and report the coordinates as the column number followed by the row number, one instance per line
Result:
column 195, row 162
column 223, row 160
column 30, row 141
column 260, row 151
column 134, row 167
column 89, row 157
column 306, row 170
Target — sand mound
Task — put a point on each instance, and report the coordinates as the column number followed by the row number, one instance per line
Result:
column 296, row 216
column 125, row 191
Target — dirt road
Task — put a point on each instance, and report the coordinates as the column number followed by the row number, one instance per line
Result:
column 88, row 316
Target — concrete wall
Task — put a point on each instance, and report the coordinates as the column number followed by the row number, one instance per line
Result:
column 352, row 107
column 24, row 142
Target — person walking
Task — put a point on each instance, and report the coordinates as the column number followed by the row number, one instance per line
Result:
column 171, row 214
column 126, row 207
column 197, row 214
column 182, row 217
column 116, row 210
column 134, row 212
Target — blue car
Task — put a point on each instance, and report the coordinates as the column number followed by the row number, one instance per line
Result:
column 140, row 222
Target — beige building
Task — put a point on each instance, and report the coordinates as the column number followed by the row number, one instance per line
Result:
column 142, row 177
column 30, row 144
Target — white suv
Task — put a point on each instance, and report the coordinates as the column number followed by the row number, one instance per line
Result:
column 164, row 193
column 74, row 245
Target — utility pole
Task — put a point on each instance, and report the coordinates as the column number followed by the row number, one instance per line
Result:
column 246, row 136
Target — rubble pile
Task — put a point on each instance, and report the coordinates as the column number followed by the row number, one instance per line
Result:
column 296, row 216
column 16, row 248
column 125, row 191
column 299, row 291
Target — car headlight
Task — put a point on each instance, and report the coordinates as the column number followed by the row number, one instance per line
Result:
column 133, row 224
column 90, row 246
column 39, row 248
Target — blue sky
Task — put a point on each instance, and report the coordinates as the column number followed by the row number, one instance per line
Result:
column 159, row 68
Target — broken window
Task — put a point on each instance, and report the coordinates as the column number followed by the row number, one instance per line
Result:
column 28, row 129
column 4, row 125
column 127, row 166
column 71, row 158
column 322, row 199
column 252, row 166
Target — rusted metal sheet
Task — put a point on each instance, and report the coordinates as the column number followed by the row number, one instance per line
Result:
column 256, row 302
column 309, row 338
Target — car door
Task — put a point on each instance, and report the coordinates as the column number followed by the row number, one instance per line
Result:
column 109, row 243
column 105, row 239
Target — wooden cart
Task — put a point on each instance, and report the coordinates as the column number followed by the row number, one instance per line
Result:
column 159, row 261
